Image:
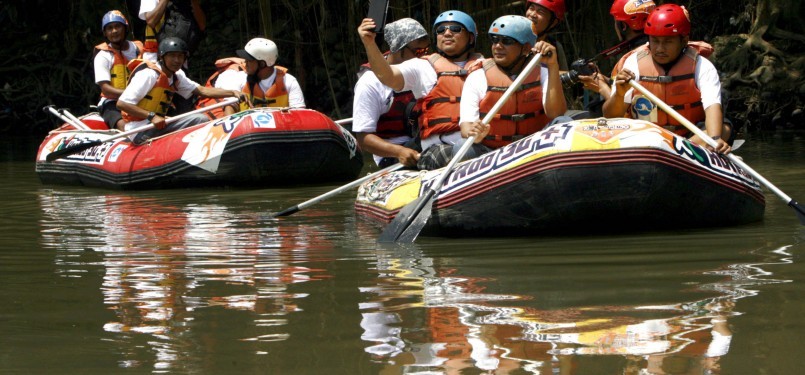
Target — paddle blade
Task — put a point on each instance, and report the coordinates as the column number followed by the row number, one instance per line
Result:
column 286, row 212
column 800, row 211
column 58, row 154
column 409, row 221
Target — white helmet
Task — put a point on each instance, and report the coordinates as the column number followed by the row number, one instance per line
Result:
column 260, row 49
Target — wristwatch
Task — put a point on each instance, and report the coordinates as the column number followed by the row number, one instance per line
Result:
column 150, row 116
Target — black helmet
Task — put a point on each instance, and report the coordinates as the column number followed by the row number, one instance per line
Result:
column 172, row 44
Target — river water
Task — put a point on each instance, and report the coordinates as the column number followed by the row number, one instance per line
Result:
column 204, row 281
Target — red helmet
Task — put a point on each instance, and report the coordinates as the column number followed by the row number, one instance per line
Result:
column 632, row 12
column 555, row 6
column 668, row 20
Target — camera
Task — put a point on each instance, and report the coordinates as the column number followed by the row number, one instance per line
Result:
column 578, row 68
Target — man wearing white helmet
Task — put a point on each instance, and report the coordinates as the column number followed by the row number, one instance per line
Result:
column 381, row 116
column 264, row 83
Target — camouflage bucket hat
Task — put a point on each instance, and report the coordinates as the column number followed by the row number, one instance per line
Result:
column 401, row 32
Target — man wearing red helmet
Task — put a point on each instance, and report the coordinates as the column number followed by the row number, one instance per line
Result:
column 675, row 73
column 546, row 16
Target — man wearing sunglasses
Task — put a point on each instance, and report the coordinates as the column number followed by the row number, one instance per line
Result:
column 381, row 117
column 435, row 80
column 538, row 100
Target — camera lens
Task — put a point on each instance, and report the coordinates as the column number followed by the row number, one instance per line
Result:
column 570, row 78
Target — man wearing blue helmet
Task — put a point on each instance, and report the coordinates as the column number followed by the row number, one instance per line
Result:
column 436, row 80
column 110, row 62
column 539, row 99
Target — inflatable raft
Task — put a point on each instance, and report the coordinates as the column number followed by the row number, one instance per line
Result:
column 258, row 147
column 585, row 176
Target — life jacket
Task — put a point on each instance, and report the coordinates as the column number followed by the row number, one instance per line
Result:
column 440, row 108
column 521, row 115
column 120, row 71
column 179, row 22
column 677, row 88
column 276, row 96
column 703, row 48
column 395, row 122
column 158, row 100
column 221, row 65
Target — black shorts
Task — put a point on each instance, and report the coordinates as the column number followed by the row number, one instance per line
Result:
column 111, row 115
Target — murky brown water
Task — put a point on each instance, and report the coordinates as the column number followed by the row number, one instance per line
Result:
column 203, row 281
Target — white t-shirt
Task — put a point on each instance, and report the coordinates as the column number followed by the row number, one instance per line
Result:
column 143, row 81
column 103, row 64
column 475, row 88
column 372, row 99
column 236, row 80
column 705, row 75
column 420, row 77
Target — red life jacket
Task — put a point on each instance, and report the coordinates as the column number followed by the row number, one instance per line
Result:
column 440, row 108
column 394, row 123
column 677, row 88
column 521, row 115
column 119, row 73
column 221, row 65
column 158, row 99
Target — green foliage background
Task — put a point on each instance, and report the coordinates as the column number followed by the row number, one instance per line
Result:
column 47, row 54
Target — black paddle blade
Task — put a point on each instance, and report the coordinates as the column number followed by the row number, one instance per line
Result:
column 58, row 154
column 409, row 221
column 286, row 212
column 799, row 210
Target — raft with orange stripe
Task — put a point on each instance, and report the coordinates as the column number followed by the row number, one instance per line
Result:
column 585, row 176
column 262, row 147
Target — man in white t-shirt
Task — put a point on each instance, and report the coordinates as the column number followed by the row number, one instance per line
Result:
column 676, row 74
column 111, row 70
column 148, row 95
column 439, row 104
column 538, row 100
column 380, row 116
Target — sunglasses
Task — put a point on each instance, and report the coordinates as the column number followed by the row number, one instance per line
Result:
column 418, row 52
column 455, row 29
column 505, row 40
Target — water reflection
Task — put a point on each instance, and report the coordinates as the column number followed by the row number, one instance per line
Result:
column 163, row 262
column 441, row 315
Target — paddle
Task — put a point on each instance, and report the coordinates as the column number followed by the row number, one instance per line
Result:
column 412, row 218
column 310, row 202
column 70, row 120
column 736, row 160
column 86, row 145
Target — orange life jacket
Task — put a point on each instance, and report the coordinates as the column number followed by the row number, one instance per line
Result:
column 119, row 73
column 440, row 108
column 677, row 88
column 276, row 96
column 704, row 49
column 158, row 100
column 221, row 65
column 521, row 115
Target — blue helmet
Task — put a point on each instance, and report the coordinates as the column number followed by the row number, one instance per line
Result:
column 113, row 16
column 516, row 27
column 457, row 16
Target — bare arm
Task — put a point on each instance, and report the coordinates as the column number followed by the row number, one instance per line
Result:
column 214, row 92
column 198, row 14
column 555, row 104
column 615, row 106
column 386, row 74
column 153, row 17
column 714, row 126
column 110, row 91
column 380, row 147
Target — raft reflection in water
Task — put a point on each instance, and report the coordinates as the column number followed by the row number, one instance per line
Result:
column 451, row 315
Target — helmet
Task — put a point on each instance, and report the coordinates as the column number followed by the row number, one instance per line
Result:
column 668, row 20
column 517, row 27
column 260, row 49
column 555, row 6
column 113, row 16
column 172, row 44
column 632, row 12
column 457, row 16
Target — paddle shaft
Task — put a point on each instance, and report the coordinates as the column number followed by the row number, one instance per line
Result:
column 344, row 121
column 310, row 202
column 76, row 120
column 710, row 141
column 83, row 146
column 55, row 112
